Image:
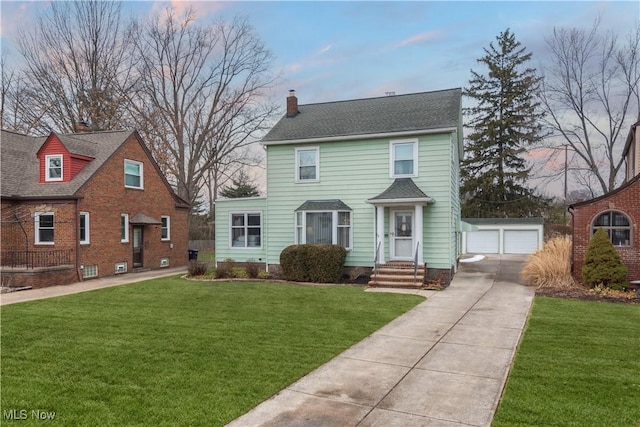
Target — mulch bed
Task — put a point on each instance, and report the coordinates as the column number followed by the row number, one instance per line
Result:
column 583, row 294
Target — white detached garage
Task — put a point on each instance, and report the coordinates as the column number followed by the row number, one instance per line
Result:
column 503, row 235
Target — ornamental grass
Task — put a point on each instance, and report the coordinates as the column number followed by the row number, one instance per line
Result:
column 550, row 267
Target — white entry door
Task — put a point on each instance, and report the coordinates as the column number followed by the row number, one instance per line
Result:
column 401, row 235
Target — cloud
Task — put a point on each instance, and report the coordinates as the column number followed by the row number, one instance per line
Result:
column 200, row 8
column 419, row 39
column 325, row 49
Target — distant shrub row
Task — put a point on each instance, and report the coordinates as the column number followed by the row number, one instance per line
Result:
column 313, row 263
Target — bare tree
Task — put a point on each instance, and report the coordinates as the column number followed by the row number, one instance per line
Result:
column 201, row 93
column 17, row 111
column 590, row 92
column 76, row 66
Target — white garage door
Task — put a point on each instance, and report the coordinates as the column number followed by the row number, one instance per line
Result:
column 483, row 242
column 520, row 241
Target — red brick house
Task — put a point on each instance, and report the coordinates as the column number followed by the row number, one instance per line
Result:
column 617, row 212
column 85, row 205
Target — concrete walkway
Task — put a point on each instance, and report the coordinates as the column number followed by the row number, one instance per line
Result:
column 87, row 285
column 444, row 363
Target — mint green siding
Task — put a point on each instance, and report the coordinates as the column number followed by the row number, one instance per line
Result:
column 224, row 209
column 354, row 171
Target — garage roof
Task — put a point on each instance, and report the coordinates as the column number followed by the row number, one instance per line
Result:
column 503, row 221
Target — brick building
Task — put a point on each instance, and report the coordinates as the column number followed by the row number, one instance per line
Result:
column 85, row 205
column 617, row 212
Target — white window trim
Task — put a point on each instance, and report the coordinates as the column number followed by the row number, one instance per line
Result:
column 164, row 239
column 297, row 171
column 301, row 238
column 392, row 159
column 246, row 214
column 126, row 228
column 47, row 176
column 37, row 216
column 87, row 235
column 606, row 228
column 141, row 187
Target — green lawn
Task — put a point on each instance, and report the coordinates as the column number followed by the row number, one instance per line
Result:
column 173, row 352
column 578, row 365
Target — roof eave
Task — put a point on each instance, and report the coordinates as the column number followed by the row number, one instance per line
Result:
column 408, row 201
column 360, row 136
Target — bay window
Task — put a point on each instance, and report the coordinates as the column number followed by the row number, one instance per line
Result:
column 324, row 227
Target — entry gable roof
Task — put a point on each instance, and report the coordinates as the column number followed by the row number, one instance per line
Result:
column 371, row 116
column 402, row 190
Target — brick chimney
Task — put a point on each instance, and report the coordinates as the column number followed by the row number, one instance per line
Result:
column 81, row 126
column 292, row 104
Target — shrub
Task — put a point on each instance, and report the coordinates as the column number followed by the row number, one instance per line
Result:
column 550, row 267
column 313, row 263
column 602, row 264
column 197, row 268
column 253, row 269
column 224, row 270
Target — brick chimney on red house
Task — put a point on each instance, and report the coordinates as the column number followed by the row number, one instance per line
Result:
column 292, row 104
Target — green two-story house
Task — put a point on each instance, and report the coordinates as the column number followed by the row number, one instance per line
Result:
column 379, row 176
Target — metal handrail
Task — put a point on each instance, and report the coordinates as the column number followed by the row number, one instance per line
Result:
column 375, row 262
column 415, row 263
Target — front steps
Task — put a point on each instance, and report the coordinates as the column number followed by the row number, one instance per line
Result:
column 398, row 275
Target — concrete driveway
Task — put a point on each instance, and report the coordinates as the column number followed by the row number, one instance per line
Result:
column 444, row 363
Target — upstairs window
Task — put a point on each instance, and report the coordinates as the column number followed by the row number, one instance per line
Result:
column 307, row 161
column 54, row 168
column 404, row 158
column 44, row 227
column 616, row 224
column 133, row 174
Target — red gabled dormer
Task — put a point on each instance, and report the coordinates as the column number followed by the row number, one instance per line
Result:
column 57, row 163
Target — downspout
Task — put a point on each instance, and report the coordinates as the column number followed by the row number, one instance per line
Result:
column 78, row 269
column 570, row 209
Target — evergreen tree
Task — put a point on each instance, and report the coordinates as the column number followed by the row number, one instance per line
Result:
column 241, row 186
column 503, row 121
column 602, row 263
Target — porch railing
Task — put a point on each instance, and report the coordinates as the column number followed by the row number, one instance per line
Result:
column 415, row 263
column 36, row 259
column 375, row 262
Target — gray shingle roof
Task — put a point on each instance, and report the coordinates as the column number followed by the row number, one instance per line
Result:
column 503, row 221
column 402, row 189
column 20, row 173
column 141, row 218
column 324, row 205
column 389, row 114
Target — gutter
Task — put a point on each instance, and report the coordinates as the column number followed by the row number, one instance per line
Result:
column 360, row 136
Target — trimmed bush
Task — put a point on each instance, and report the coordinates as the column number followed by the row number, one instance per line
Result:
column 224, row 270
column 197, row 268
column 550, row 267
column 253, row 269
column 313, row 263
column 602, row 264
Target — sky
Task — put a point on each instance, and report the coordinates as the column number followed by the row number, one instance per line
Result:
column 338, row 50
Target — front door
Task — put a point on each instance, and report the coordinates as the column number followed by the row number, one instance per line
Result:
column 401, row 235
column 137, row 246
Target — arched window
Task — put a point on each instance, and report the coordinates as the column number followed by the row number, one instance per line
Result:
column 616, row 224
